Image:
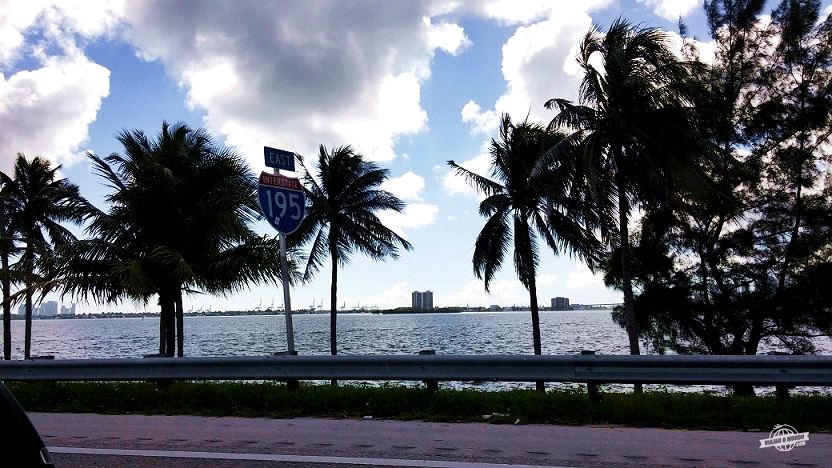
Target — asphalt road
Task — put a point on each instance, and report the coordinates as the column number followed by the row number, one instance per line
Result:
column 90, row 440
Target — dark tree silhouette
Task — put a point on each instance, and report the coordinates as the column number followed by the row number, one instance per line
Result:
column 343, row 198
column 36, row 203
column 178, row 220
column 521, row 207
column 632, row 121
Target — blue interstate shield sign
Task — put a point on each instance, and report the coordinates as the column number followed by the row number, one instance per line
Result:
column 282, row 201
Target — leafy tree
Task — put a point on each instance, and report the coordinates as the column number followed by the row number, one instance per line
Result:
column 749, row 264
column 634, row 127
column 178, row 220
column 36, row 203
column 343, row 197
column 522, row 206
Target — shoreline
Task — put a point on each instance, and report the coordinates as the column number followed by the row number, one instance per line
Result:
column 272, row 313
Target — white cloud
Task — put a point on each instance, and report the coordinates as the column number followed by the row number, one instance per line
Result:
column 671, row 9
column 546, row 280
column 539, row 64
column 59, row 22
column 512, row 12
column 397, row 295
column 538, row 61
column 503, row 292
column 47, row 110
column 88, row 18
column 456, row 184
column 706, row 50
column 582, row 277
column 408, row 186
column 527, row 11
column 482, row 122
column 300, row 74
column 15, row 18
column 447, row 36
column 54, row 24
column 414, row 216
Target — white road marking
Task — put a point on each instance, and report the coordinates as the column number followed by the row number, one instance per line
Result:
column 285, row 458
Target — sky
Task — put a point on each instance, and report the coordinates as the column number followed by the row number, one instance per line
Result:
column 409, row 84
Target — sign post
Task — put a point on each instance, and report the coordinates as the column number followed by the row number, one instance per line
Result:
column 283, row 203
column 287, row 300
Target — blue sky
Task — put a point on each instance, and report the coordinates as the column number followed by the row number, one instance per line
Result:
column 409, row 84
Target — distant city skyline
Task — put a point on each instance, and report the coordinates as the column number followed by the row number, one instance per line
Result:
column 48, row 309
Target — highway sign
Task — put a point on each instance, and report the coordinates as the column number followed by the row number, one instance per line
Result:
column 282, row 201
column 279, row 159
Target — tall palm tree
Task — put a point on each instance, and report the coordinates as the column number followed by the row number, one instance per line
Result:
column 522, row 206
column 36, row 205
column 632, row 124
column 6, row 251
column 179, row 220
column 343, row 199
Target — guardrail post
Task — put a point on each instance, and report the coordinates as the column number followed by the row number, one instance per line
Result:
column 161, row 383
column 781, row 390
column 291, row 384
column 432, row 385
column 591, row 388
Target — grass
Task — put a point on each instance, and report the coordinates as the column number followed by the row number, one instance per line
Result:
column 653, row 409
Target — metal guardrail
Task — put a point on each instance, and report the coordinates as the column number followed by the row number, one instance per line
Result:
column 693, row 370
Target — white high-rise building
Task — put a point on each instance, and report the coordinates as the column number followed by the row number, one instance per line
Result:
column 48, row 309
column 421, row 300
column 68, row 311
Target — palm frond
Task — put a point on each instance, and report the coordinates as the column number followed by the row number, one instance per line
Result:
column 483, row 184
column 491, row 247
column 525, row 251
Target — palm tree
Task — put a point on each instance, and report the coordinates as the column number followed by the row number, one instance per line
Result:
column 36, row 203
column 6, row 251
column 343, row 199
column 179, row 220
column 522, row 206
column 632, row 125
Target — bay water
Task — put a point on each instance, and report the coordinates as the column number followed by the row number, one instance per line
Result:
column 562, row 332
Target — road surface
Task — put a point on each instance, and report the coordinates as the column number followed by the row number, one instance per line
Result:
column 90, row 440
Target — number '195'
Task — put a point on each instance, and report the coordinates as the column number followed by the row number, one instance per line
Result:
column 279, row 200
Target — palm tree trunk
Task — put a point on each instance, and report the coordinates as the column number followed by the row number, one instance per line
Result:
column 162, row 333
column 626, row 273
column 333, row 311
column 27, row 338
column 7, row 308
column 180, row 326
column 538, row 349
column 167, row 301
column 161, row 328
column 170, row 328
